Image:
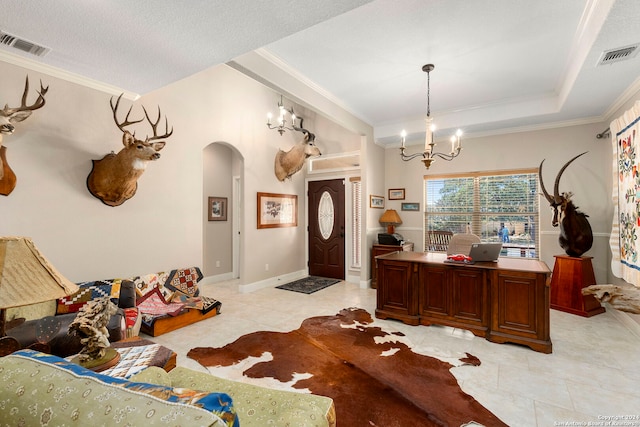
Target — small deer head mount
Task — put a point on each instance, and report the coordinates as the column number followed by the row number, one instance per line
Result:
column 288, row 163
column 9, row 116
column 576, row 236
column 114, row 178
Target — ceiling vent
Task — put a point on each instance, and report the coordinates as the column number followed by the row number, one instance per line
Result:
column 617, row 55
column 22, row 44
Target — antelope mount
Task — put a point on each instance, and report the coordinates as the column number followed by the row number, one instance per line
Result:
column 287, row 163
column 576, row 236
column 114, row 178
column 8, row 117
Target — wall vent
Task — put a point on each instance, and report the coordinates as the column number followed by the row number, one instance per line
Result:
column 22, row 44
column 617, row 55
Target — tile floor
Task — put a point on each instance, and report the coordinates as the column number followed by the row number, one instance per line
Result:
column 593, row 372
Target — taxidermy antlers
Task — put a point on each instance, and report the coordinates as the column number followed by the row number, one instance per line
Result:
column 114, row 178
column 576, row 236
column 8, row 117
column 288, row 163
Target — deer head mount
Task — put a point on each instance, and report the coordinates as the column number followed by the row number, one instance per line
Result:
column 114, row 178
column 9, row 116
column 576, row 236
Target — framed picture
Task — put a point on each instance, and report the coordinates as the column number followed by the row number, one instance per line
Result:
column 277, row 210
column 217, row 208
column 410, row 206
column 396, row 194
column 376, row 202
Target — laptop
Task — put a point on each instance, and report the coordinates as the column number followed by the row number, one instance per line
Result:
column 485, row 252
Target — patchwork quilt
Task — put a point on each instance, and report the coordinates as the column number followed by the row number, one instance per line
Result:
column 158, row 294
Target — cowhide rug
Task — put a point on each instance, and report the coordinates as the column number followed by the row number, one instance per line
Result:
column 373, row 379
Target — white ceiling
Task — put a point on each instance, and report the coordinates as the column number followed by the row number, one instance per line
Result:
column 499, row 64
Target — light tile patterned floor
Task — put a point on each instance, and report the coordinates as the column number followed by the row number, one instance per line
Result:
column 593, row 372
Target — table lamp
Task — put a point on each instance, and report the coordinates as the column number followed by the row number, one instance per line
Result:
column 27, row 277
column 390, row 218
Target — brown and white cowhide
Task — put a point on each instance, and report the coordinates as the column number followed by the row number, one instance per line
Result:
column 373, row 379
column 621, row 297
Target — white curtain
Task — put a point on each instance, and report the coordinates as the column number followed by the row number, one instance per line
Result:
column 625, row 231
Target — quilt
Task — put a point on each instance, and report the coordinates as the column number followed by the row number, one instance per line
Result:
column 625, row 233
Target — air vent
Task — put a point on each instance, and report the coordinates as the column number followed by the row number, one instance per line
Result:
column 22, row 44
column 617, row 55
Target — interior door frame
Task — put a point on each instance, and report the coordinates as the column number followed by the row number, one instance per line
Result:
column 348, row 226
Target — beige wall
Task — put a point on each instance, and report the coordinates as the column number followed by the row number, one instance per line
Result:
column 589, row 178
column 164, row 225
column 161, row 227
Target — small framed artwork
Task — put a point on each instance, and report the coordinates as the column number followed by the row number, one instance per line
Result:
column 410, row 206
column 376, row 202
column 396, row 194
column 217, row 208
column 277, row 210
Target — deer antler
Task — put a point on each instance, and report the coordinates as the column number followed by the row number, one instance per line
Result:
column 39, row 102
column 126, row 121
column 154, row 126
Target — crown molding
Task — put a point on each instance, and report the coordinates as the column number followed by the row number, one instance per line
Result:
column 65, row 75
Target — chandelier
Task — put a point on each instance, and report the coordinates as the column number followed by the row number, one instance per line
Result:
column 282, row 119
column 429, row 155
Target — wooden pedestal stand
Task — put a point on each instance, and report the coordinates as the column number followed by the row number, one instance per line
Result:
column 570, row 275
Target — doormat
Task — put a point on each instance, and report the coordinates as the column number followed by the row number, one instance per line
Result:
column 372, row 375
column 309, row 285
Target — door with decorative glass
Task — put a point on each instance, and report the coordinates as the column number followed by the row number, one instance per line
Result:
column 327, row 228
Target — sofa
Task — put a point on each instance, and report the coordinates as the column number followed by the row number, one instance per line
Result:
column 44, row 389
column 49, row 334
column 154, row 303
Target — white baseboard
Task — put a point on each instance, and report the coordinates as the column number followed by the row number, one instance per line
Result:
column 272, row 281
column 216, row 279
column 352, row 279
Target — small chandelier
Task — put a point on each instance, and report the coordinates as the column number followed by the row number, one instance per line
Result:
column 282, row 119
column 428, row 156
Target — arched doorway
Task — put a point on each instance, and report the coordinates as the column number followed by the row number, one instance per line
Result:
column 222, row 177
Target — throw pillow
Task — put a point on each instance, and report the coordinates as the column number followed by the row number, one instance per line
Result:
column 185, row 280
column 149, row 282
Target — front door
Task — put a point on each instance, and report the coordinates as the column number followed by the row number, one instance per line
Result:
column 326, row 228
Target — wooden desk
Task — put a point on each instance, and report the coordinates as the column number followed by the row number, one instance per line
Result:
column 507, row 301
column 378, row 249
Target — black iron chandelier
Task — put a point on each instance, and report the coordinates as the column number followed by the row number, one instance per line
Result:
column 429, row 155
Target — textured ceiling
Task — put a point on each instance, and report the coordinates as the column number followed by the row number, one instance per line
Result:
column 499, row 64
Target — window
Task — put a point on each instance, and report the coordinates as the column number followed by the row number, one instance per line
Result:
column 497, row 206
column 356, row 222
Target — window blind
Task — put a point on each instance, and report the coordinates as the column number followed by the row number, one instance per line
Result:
column 497, row 206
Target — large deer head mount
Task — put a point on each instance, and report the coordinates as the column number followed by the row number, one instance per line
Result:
column 9, row 116
column 576, row 236
column 114, row 178
column 287, row 163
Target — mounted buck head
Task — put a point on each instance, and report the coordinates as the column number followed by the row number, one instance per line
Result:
column 114, row 178
column 8, row 117
column 288, row 163
column 576, row 236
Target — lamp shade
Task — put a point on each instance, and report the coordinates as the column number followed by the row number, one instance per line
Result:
column 27, row 277
column 390, row 218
